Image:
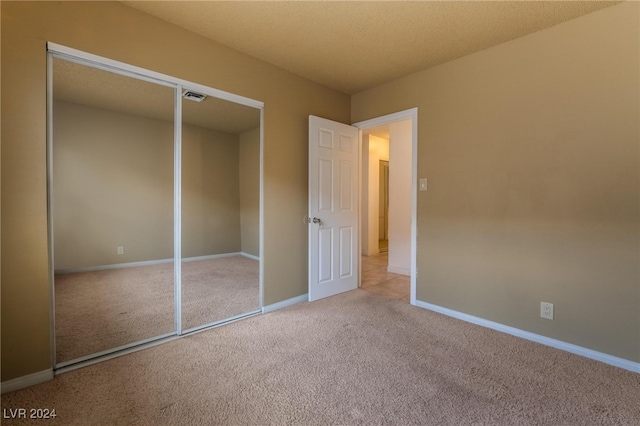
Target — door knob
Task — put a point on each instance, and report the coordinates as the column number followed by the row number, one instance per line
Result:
column 314, row 220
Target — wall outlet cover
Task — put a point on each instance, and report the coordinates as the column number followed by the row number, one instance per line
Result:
column 546, row 310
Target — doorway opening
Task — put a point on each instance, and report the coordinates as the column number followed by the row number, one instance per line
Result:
column 388, row 205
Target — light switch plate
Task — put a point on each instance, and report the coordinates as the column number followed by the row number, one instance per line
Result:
column 423, row 184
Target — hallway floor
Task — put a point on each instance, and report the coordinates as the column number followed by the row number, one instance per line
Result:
column 376, row 279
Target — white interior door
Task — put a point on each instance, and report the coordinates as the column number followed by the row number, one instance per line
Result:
column 333, row 208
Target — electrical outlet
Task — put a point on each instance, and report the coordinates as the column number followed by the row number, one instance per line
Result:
column 546, row 310
column 120, row 249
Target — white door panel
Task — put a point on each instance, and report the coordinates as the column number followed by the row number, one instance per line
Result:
column 333, row 190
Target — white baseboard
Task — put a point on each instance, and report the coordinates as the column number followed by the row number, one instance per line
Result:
column 151, row 262
column 397, row 270
column 285, row 303
column 547, row 341
column 209, row 257
column 26, row 381
column 112, row 266
column 250, row 256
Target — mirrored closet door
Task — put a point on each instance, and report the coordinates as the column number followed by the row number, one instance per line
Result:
column 112, row 204
column 154, row 206
column 220, row 210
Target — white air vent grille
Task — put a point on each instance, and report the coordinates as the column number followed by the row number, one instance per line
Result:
column 193, row 96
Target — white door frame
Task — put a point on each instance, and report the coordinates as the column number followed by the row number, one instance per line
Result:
column 409, row 114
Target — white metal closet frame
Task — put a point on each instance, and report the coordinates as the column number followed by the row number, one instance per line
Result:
column 87, row 59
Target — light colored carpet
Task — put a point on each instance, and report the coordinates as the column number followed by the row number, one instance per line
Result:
column 100, row 310
column 217, row 289
column 355, row 358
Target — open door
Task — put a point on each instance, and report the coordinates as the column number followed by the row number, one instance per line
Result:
column 333, row 208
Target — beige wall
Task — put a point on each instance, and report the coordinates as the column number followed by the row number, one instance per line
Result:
column 400, row 152
column 531, row 150
column 113, row 186
column 250, row 192
column 210, row 192
column 118, row 32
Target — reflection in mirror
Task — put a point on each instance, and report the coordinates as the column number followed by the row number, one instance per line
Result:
column 220, row 211
column 112, row 209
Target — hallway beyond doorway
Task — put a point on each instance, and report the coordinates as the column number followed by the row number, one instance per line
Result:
column 376, row 279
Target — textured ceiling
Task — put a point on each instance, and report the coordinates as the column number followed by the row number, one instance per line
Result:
column 355, row 45
column 349, row 46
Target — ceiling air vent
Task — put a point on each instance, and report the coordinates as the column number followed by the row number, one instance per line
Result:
column 193, row 96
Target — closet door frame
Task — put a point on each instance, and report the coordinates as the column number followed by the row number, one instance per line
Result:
column 58, row 51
